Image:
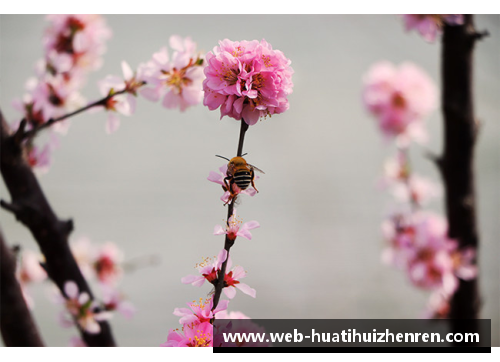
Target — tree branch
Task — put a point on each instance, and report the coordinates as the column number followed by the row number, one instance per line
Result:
column 16, row 323
column 457, row 164
column 228, row 243
column 31, row 208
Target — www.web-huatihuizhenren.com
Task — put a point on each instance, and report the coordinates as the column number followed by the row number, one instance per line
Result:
column 352, row 337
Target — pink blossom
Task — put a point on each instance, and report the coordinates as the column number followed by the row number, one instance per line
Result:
column 438, row 306
column 113, row 300
column 40, row 158
column 399, row 98
column 123, row 103
column 107, row 263
column 79, row 38
column 199, row 312
column 219, row 179
column 417, row 189
column 210, row 272
column 200, row 335
column 178, row 80
column 247, row 80
column 53, row 97
column 430, row 25
column 235, row 229
column 30, row 270
column 82, row 309
column 83, row 251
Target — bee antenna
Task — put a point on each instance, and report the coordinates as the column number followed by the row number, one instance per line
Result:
column 223, row 157
column 244, row 154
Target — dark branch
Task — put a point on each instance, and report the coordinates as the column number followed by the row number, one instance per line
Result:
column 17, row 326
column 31, row 208
column 460, row 130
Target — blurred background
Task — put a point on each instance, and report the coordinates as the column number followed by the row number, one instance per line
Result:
column 317, row 252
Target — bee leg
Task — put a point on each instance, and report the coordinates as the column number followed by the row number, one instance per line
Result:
column 229, row 188
column 252, row 174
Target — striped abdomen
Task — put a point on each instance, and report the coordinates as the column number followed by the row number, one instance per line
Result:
column 242, row 179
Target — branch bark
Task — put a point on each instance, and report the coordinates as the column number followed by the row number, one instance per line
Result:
column 16, row 323
column 457, row 162
column 31, row 208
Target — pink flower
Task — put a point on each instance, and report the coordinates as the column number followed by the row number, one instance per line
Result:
column 247, row 80
column 200, row 335
column 219, row 179
column 235, row 229
column 79, row 38
column 430, row 25
column 438, row 306
column 208, row 270
column 114, row 300
column 399, row 98
column 123, row 103
column 29, row 269
column 40, row 158
column 53, row 97
column 179, row 79
column 211, row 271
column 107, row 263
column 82, row 309
column 199, row 312
column 83, row 251
column 416, row 189
column 223, row 314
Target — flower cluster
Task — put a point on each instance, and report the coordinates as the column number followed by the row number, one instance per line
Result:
column 247, row 80
column 400, row 98
column 430, row 25
column 73, row 46
column 102, row 263
column 417, row 240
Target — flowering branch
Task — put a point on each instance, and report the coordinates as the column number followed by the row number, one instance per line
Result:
column 33, row 132
column 228, row 242
column 457, row 162
column 31, row 207
column 16, row 323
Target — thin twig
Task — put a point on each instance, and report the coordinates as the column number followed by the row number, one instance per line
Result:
column 228, row 243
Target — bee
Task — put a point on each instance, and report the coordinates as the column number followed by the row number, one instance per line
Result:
column 241, row 173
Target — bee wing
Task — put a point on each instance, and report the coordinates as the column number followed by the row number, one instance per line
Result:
column 256, row 168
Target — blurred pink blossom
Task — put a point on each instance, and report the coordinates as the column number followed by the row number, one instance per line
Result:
column 29, row 269
column 107, row 263
column 247, row 80
column 430, row 25
column 82, row 309
column 417, row 189
column 79, row 38
column 178, row 80
column 399, row 98
column 113, row 300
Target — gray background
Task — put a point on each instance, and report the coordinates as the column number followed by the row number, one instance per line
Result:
column 317, row 253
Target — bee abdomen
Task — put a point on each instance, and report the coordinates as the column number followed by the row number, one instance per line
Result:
column 242, row 179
